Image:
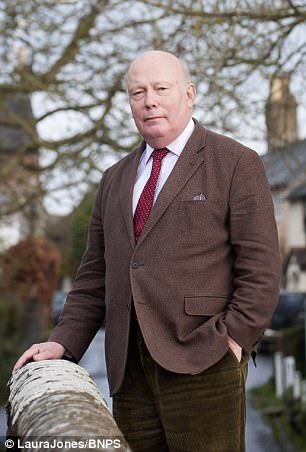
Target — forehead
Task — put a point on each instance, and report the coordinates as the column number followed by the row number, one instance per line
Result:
column 154, row 70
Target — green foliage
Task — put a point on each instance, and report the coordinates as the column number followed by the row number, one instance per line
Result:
column 78, row 232
column 286, row 417
column 293, row 344
column 20, row 326
column 262, row 394
column 297, row 417
column 10, row 339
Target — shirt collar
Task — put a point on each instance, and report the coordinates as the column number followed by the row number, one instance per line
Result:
column 176, row 146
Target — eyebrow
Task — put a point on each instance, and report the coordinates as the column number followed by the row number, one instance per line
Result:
column 141, row 85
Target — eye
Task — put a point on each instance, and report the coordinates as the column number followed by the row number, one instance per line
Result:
column 162, row 90
column 137, row 94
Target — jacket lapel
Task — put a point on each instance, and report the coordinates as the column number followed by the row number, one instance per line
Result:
column 185, row 167
column 187, row 164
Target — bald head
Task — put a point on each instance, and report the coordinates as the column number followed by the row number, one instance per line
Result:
column 161, row 96
column 164, row 58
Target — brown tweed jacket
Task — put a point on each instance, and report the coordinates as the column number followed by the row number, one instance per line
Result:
column 201, row 269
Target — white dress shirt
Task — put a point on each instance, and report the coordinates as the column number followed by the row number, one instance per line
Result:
column 145, row 165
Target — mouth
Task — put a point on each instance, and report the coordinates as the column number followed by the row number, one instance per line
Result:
column 152, row 118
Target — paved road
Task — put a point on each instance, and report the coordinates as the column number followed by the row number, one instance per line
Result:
column 259, row 436
column 94, row 362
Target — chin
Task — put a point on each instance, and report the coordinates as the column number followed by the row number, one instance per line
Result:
column 157, row 138
column 158, row 144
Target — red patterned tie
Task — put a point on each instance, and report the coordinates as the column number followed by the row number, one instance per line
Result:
column 145, row 202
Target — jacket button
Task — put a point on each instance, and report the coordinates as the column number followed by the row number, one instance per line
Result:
column 135, row 265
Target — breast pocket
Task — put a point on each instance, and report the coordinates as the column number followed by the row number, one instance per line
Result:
column 198, row 220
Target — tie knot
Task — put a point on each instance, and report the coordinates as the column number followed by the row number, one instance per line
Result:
column 159, row 154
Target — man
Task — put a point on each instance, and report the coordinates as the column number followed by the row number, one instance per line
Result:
column 182, row 260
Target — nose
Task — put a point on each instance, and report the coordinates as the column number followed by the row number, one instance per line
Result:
column 151, row 100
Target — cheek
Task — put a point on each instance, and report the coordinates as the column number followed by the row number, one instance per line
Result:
column 180, row 110
column 137, row 116
column 136, row 110
column 173, row 107
column 172, row 115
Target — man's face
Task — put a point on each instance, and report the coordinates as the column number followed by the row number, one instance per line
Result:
column 161, row 98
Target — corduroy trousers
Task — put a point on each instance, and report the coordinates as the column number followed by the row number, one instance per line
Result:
column 159, row 411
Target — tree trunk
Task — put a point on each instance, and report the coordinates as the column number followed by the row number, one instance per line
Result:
column 57, row 402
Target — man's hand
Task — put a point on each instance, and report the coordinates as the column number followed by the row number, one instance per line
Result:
column 236, row 349
column 38, row 352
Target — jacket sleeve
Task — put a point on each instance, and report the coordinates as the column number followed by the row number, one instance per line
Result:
column 253, row 235
column 84, row 309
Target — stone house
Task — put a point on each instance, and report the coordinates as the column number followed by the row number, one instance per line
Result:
column 19, row 182
column 285, row 165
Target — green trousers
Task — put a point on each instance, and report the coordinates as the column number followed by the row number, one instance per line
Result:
column 159, row 411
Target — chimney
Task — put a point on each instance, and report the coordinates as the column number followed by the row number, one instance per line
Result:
column 281, row 113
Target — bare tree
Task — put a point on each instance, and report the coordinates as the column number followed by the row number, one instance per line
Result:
column 71, row 58
column 74, row 56
column 234, row 47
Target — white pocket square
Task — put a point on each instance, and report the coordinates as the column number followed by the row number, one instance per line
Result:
column 199, row 197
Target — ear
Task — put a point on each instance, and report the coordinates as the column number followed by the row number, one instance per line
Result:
column 191, row 94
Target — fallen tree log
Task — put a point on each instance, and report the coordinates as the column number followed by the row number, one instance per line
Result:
column 54, row 402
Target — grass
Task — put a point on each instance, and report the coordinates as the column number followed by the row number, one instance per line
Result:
column 283, row 415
